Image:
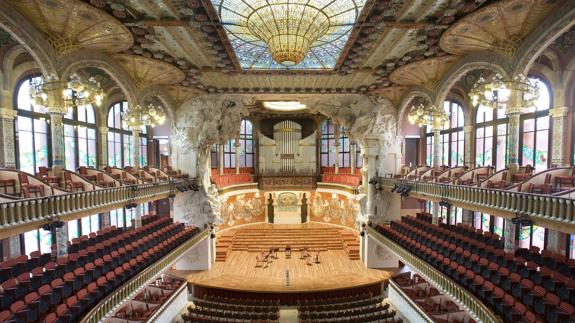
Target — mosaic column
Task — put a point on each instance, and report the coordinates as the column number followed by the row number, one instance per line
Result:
column 61, row 240
column 510, row 236
column 468, row 135
column 559, row 117
column 513, row 113
column 467, row 217
column 136, row 149
column 7, row 156
column 556, row 241
column 336, row 148
column 14, row 246
column 105, row 219
column 237, row 146
column 103, row 157
column 137, row 216
column 221, row 159
column 57, row 134
column 353, row 154
column 371, row 145
column 436, row 147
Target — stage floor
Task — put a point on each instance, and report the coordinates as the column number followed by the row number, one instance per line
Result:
column 239, row 272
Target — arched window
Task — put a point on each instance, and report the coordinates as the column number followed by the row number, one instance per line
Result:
column 246, row 144
column 80, row 137
column 32, row 130
column 344, row 150
column 327, row 144
column 120, row 139
column 535, row 139
column 230, row 154
column 451, row 137
column 491, row 138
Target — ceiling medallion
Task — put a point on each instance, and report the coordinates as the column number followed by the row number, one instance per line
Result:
column 288, row 28
column 496, row 94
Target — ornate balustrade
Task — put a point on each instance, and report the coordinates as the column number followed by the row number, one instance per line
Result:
column 461, row 296
column 130, row 288
column 33, row 212
column 552, row 211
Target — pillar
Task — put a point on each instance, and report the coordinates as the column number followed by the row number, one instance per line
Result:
column 556, row 241
column 510, row 236
column 105, row 219
column 467, row 217
column 353, row 154
column 558, row 155
column 436, row 147
column 137, row 216
column 136, row 149
column 221, row 159
column 7, row 156
column 468, row 135
column 514, row 111
column 57, row 135
column 336, row 147
column 61, row 240
column 14, row 249
column 103, row 136
column 237, row 147
column 371, row 148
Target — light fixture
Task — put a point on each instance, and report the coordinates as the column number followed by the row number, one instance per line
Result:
column 75, row 92
column 496, row 94
column 137, row 117
column 284, row 105
column 432, row 115
column 289, row 28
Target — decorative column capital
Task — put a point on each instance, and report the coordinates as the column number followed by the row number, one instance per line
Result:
column 468, row 129
column 8, row 113
column 370, row 146
column 103, row 130
column 558, row 112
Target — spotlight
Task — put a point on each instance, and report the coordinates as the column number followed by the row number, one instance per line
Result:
column 171, row 195
column 395, row 187
column 522, row 219
column 372, row 181
column 213, row 235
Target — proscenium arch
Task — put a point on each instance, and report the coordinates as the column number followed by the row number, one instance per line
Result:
column 483, row 60
column 81, row 59
column 557, row 23
column 26, row 35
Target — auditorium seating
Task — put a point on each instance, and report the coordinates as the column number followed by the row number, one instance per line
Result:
column 63, row 289
column 226, row 309
column 527, row 283
column 353, row 308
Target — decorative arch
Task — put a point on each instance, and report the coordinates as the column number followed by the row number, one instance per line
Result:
column 411, row 94
column 557, row 23
column 474, row 61
column 80, row 59
column 26, row 35
column 162, row 95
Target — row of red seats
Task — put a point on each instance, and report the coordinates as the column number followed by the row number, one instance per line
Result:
column 231, row 179
column 231, row 171
column 130, row 252
column 513, row 294
column 345, row 179
column 341, row 170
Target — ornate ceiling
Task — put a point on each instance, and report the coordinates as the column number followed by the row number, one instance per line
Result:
column 191, row 46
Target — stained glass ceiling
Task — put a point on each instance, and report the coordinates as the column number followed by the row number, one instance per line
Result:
column 253, row 53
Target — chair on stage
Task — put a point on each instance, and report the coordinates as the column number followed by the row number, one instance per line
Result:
column 288, row 252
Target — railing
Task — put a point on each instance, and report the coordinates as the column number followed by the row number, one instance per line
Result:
column 448, row 286
column 547, row 208
column 168, row 302
column 36, row 210
column 128, row 290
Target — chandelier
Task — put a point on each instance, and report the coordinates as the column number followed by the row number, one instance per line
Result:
column 289, row 28
column 137, row 117
column 75, row 92
column 496, row 94
column 428, row 115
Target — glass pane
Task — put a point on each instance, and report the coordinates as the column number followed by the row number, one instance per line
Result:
column 86, row 225
column 528, row 125
column 528, row 148
column 70, row 147
column 31, row 241
column 94, row 223
column 538, row 237
column 73, row 230
column 45, row 241
column 24, row 102
column 542, row 150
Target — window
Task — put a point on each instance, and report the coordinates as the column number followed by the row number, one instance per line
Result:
column 73, row 230
column 80, row 137
column 491, row 138
column 214, row 156
column 532, row 236
column 230, row 154
column 32, row 130
column 120, row 139
column 90, row 224
column 344, row 150
column 327, row 144
column 534, row 139
column 451, row 137
column 38, row 239
column 246, row 144
column 117, row 218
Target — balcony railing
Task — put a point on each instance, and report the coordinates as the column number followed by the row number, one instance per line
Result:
column 461, row 296
column 130, row 288
column 29, row 211
column 548, row 209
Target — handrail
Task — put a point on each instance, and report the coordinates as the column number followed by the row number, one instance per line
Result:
column 141, row 280
column 410, row 302
column 37, row 210
column 448, row 286
column 547, row 208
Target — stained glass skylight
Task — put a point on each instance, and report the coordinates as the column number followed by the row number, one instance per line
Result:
column 253, row 53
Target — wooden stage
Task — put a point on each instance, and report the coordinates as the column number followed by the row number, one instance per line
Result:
column 239, row 272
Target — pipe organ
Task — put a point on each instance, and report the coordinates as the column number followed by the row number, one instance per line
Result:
column 287, row 152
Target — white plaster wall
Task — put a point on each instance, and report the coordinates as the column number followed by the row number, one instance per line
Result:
column 404, row 307
column 379, row 256
column 171, row 313
column 197, row 258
